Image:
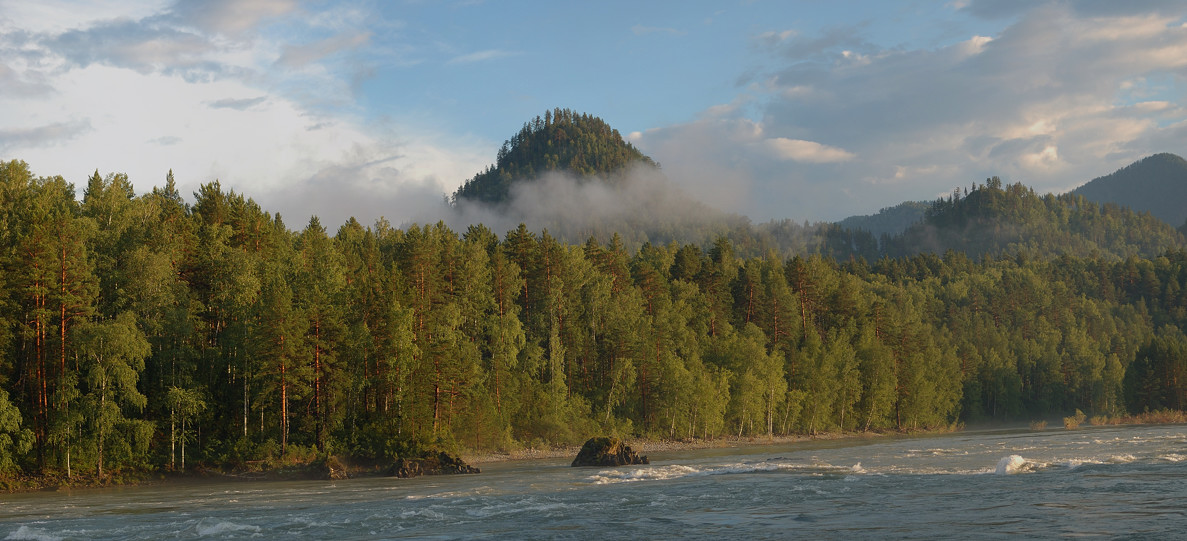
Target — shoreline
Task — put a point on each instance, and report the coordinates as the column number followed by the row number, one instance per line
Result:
column 365, row 469
column 644, row 446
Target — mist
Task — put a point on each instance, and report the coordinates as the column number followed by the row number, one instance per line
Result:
column 641, row 205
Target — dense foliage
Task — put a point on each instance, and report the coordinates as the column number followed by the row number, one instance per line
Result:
column 563, row 140
column 144, row 332
column 992, row 219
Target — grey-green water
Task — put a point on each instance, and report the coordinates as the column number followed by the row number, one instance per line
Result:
column 1109, row 482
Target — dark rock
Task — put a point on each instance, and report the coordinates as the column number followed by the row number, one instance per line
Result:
column 333, row 469
column 432, row 464
column 607, row 452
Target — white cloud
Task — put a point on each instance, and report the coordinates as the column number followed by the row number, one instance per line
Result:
column 806, row 151
column 975, row 45
column 56, row 16
column 480, row 56
column 193, row 88
column 54, row 134
column 1063, row 93
column 230, row 17
column 241, row 104
column 303, row 54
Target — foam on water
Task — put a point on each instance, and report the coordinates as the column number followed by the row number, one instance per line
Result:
column 657, row 473
column 942, row 486
column 677, row 471
column 525, row 505
column 25, row 533
column 422, row 513
column 1012, row 464
column 206, row 528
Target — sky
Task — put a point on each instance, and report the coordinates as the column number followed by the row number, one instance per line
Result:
column 808, row 110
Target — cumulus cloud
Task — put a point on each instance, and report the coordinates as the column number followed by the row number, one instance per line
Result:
column 384, row 177
column 23, row 84
column 300, row 55
column 1063, row 93
column 137, row 45
column 806, row 151
column 46, row 135
column 229, row 17
column 166, row 140
column 241, row 104
column 216, row 90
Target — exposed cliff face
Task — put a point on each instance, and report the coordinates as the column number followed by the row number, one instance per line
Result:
column 607, row 452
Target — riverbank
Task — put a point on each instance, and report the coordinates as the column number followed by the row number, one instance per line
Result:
column 644, row 446
column 320, row 469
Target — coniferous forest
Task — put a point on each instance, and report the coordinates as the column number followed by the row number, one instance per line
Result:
column 145, row 332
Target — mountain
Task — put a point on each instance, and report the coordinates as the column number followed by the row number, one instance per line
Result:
column 993, row 220
column 579, row 144
column 1156, row 184
column 888, row 221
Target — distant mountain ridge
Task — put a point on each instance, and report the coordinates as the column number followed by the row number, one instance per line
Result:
column 890, row 220
column 993, row 220
column 603, row 192
column 1156, row 184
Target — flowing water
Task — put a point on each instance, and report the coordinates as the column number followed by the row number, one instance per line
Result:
column 1098, row 481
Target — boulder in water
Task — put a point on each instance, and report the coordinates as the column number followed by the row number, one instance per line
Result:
column 432, row 464
column 607, row 452
column 332, row 469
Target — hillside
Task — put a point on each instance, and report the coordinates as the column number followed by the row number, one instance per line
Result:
column 1156, row 184
column 994, row 220
column 201, row 319
column 562, row 140
column 888, row 221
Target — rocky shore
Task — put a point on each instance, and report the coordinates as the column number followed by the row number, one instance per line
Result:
column 646, row 446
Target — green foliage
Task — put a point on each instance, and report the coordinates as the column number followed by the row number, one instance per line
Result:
column 14, row 440
column 141, row 331
column 561, row 141
column 1074, row 421
column 992, row 220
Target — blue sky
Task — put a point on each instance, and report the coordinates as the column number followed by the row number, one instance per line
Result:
column 810, row 110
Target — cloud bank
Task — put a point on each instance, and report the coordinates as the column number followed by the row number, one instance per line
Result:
column 1066, row 92
column 257, row 95
column 820, row 118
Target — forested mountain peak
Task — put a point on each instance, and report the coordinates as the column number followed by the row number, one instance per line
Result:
column 996, row 219
column 1156, row 184
column 561, row 140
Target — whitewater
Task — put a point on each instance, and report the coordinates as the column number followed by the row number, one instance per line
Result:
column 1118, row 481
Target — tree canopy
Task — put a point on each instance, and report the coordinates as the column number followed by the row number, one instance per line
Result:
column 145, row 332
column 563, row 140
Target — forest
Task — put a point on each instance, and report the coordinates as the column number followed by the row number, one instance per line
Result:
column 145, row 333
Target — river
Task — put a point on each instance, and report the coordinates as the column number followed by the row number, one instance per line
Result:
column 1126, row 481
